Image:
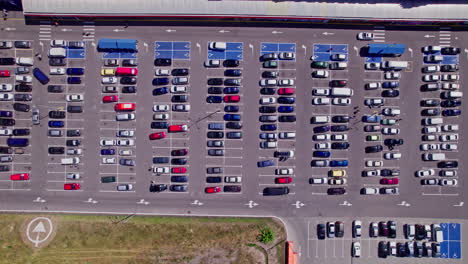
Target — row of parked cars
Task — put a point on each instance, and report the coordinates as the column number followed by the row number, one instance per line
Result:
column 276, row 106
column 437, row 114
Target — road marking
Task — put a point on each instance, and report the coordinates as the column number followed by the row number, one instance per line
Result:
column 39, row 233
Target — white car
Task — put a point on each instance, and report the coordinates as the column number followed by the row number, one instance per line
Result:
column 161, row 108
column 365, row 36
column 180, row 108
column 392, row 155
column 268, row 82
column 6, row 97
column 23, row 78
column 325, row 145
column 25, row 61
column 369, row 190
column 338, row 57
column 318, row 180
column 450, row 77
column 108, row 160
column 374, row 163
column 74, row 151
column 287, row 55
column 432, row 68
column 450, row 86
column 356, row 249
column 162, row 72
column 125, row 117
column 337, row 181
column 232, row 179
column 212, row 63
column 74, row 97
column 267, row 100
column 429, row 146
column 321, row 92
column 372, row 66
column 432, row 49
column 287, row 135
column 448, row 173
column 339, row 137
column 58, row 43
column 390, row 131
column 125, row 142
column 374, row 101
column 178, row 89
column 125, row 152
column 107, row 142
column 161, row 170
column 286, row 82
column 57, row 71
column 424, row 173
column 447, row 146
column 450, row 128
column 321, row 137
column 431, row 78
column 109, row 89
column 160, row 116
column 392, row 75
column 6, row 132
column 431, row 129
column 448, row 137
column 320, row 74
column 391, row 111
column 268, row 144
column 448, row 182
column 125, row 133
column 284, row 171
column 321, row 101
column 6, row 87
column 109, row 80
column 371, row 173
column 373, row 86
column 341, row 101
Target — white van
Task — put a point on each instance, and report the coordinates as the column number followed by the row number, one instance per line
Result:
column 433, row 121
column 433, row 156
column 395, row 65
column 451, row 95
column 320, row 119
column 268, row 144
column 287, row 135
column 57, row 53
column 24, row 61
column 70, row 161
column 217, row 45
column 342, row 92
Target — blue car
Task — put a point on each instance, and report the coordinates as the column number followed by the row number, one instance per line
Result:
column 74, row 80
column 268, row 127
column 390, row 84
column 56, row 124
column 371, row 119
column 231, row 108
column 321, row 129
column 286, row 100
column 322, row 154
column 160, row 91
column 40, row 76
column 6, row 113
column 214, row 99
column 286, row 109
column 235, row 72
column 451, row 112
column 232, row 117
column 216, row 126
column 160, row 81
column 265, row 163
column 75, row 71
column 107, row 151
column 338, row 163
column 231, row 90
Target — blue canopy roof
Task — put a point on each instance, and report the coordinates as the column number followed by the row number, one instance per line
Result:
column 386, row 49
column 117, row 44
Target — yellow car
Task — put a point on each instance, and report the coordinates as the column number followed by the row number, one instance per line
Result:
column 107, row 72
column 337, row 173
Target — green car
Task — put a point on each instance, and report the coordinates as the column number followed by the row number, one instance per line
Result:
column 388, row 122
column 319, row 64
column 270, row 64
column 374, row 138
column 108, row 179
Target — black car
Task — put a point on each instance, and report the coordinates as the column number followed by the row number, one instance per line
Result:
column 430, row 102
column 215, row 90
column 128, row 80
column 340, row 145
column 233, row 125
column 179, row 161
column 374, row 149
column 162, row 62
column 7, row 61
column 21, row 44
column 56, row 150
column 215, row 134
column 73, row 133
column 371, row 128
column 286, row 100
column 448, row 164
column 23, row 88
column 383, row 249
column 74, row 109
column 158, row 187
column 21, row 131
column 159, row 125
column 449, row 68
column 6, row 150
column 393, row 142
column 57, row 62
column 232, row 72
column 55, row 89
column 127, row 162
column 179, row 179
column 232, row 82
column 336, row 191
column 321, row 231
column 23, row 97
column 268, row 91
column 231, row 108
column 160, row 160
column 287, row 118
column 450, row 51
column 231, row 63
column 341, row 119
column 337, row 128
column 179, row 98
column 129, row 89
column 214, row 99
column 339, row 229
column 179, row 152
column 267, row 109
column 212, row 179
column 390, row 93
column 180, row 72
column 450, row 103
column 73, row 142
column 130, row 62
column 215, row 81
column 389, row 172
column 269, row 74
column 7, row 122
column 451, row 112
column 4, row 168
column 430, row 112
column 420, row 232
column 234, row 135
column 231, row 90
column 178, row 188
column 338, row 83
column 231, row 188
column 57, row 114
column 392, row 229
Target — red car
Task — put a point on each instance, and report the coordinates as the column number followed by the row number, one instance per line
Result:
column 177, row 128
column 179, row 170
column 231, row 98
column 158, row 135
column 283, row 180
column 212, row 189
column 286, row 91
column 71, row 186
column 20, row 177
column 4, row 73
column 110, row 99
column 389, row 181
column 126, row 71
column 125, row 107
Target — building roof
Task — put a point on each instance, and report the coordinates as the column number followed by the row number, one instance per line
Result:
column 257, row 8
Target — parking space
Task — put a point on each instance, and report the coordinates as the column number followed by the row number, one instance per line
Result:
column 179, row 50
column 451, row 247
column 324, row 52
column 233, row 51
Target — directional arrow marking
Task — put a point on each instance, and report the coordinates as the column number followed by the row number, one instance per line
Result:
column 40, row 228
